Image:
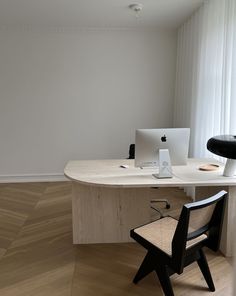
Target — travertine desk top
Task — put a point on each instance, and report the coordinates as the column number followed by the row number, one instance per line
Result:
column 109, row 173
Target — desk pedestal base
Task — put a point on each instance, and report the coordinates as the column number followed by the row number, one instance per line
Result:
column 106, row 215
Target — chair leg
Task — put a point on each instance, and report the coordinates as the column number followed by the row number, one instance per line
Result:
column 203, row 265
column 145, row 268
column 164, row 279
column 159, row 212
column 167, row 204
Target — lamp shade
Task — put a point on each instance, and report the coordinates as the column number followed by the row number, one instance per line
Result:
column 224, row 145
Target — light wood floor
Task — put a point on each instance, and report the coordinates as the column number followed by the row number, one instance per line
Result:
column 37, row 257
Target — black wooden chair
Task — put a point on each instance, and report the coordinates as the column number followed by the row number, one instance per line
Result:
column 173, row 244
column 152, row 201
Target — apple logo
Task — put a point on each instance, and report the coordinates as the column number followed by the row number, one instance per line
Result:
column 163, row 138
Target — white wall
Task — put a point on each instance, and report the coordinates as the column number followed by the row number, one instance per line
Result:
column 80, row 94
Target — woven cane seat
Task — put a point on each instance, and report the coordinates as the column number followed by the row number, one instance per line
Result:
column 160, row 233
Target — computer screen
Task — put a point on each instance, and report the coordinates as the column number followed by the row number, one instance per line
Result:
column 149, row 141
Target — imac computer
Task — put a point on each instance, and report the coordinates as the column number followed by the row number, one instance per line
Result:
column 148, row 143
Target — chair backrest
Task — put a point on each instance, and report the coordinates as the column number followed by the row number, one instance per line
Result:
column 131, row 151
column 212, row 227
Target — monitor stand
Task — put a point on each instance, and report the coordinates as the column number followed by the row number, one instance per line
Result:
column 165, row 169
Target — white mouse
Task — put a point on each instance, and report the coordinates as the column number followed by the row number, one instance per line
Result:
column 124, row 166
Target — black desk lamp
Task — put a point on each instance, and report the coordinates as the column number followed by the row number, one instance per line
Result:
column 225, row 145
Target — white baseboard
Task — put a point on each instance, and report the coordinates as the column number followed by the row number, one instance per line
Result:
column 32, row 178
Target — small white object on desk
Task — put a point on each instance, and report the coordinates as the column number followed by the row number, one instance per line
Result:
column 124, row 166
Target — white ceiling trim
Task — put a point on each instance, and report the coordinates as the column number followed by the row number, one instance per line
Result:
column 96, row 13
column 58, row 29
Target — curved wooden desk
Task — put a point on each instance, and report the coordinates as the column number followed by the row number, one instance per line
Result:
column 109, row 200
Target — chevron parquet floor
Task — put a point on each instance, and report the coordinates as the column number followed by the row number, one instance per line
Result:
column 37, row 257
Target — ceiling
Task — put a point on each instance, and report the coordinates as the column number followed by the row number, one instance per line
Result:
column 96, row 13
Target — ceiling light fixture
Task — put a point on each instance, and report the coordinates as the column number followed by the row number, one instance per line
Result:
column 137, row 8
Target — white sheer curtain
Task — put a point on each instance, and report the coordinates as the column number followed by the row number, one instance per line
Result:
column 205, row 98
